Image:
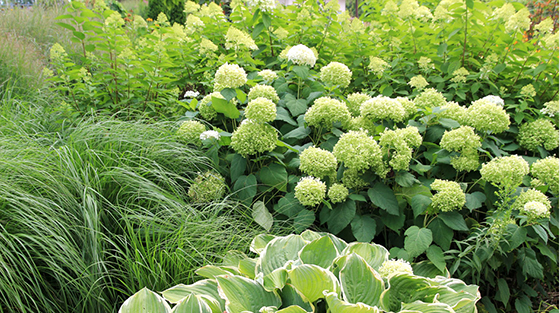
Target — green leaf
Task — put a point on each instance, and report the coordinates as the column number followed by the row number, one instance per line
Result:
column 283, row 115
column 67, row 26
column 237, row 167
column 320, row 252
column 523, row 304
column 423, row 307
column 435, row 255
column 206, row 287
column 227, row 108
column 291, row 296
column 515, row 235
column 527, row 259
column 145, row 301
column 312, row 280
column 339, row 306
column 403, row 287
column 449, row 123
column 373, row 254
column 243, row 294
column 257, row 30
column 298, row 133
column 266, row 20
column 363, row 228
column 297, row 106
column 382, row 196
column 211, row 271
column 475, row 200
column 288, row 205
column 246, row 188
column 394, row 222
column 454, row 220
column 417, row 240
column 341, row 215
column 279, row 251
column 259, row 242
column 442, row 234
column 228, row 93
column 193, row 304
column 241, row 95
column 301, row 71
column 262, row 216
column 274, row 175
column 292, row 309
column 247, row 267
column 79, row 35
column 419, row 204
column 275, row 280
column 503, row 293
column 541, row 232
column 470, row 4
column 406, row 179
column 360, row 283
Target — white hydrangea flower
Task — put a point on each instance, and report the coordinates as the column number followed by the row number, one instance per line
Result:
column 495, row 99
column 264, row 5
column 210, row 134
column 392, row 267
column 191, row 94
column 536, row 209
column 301, row 55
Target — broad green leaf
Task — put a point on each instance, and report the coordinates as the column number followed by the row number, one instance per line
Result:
column 541, row 232
column 339, row 306
column 363, row 228
column 372, row 253
column 247, row 267
column 423, row 307
column 515, row 235
column 211, row 271
column 341, row 215
column 303, row 220
column 279, row 251
column 360, row 282
column 454, row 220
column 266, row 20
column 417, row 240
column 293, row 309
column 393, row 222
column 382, row 196
column 290, row 206
column 226, row 107
column 274, row 175
column 523, row 304
column 67, row 26
column 243, row 294
column 237, row 167
column 257, row 30
column 311, row 280
column 475, row 200
column 291, row 296
column 527, row 259
column 259, row 243
column 246, row 188
column 301, row 71
column 442, row 234
column 320, row 252
column 419, row 204
column 403, row 288
column 275, row 280
column 298, row 133
column 428, row 269
column 406, row 179
column 297, row 107
column 193, row 304
column 503, row 293
column 262, row 216
column 283, row 115
column 206, row 287
column 435, row 255
column 79, row 35
column 240, row 95
column 228, row 93
column 145, row 301
column 449, row 123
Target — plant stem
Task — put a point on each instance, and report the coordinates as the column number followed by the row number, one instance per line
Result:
column 466, row 31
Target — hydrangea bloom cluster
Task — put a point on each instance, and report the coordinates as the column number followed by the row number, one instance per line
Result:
column 382, row 108
column 251, row 138
column 336, row 74
column 550, row 108
column 532, row 195
column 418, row 82
column 210, row 134
column 430, row 98
column 520, row 21
column 207, row 46
column 550, row 41
column 263, row 91
column 390, row 8
column 281, row 33
column 359, row 152
column 317, row 162
column 494, row 99
column 528, row 91
column 449, row 196
column 229, row 76
column 484, row 115
column 352, row 179
column 57, row 53
column 460, row 75
column 310, row 191
column 505, row 171
column 355, row 100
column 545, row 26
column 205, row 108
column 377, row 65
column 191, row 7
column 207, row 187
column 193, row 24
column 465, row 141
column 114, row 21
column 409, row 107
column 264, row 5
column 211, row 10
column 539, row 133
column 400, row 143
column 325, row 111
column 284, row 53
column 268, row 76
column 337, row 193
column 504, row 12
column 392, row 267
column 301, row 55
column 534, row 209
column 239, row 40
column 453, row 111
column 425, row 64
column 408, row 9
column 546, row 171
column 190, row 131
column 138, row 22
column 261, row 110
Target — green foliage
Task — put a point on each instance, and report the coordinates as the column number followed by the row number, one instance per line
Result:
column 312, row 272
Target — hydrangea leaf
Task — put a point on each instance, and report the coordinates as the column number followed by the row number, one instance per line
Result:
column 442, row 234
column 417, row 240
column 454, row 220
column 435, row 255
column 363, row 228
column 419, row 204
column 237, row 167
column 289, row 206
column 226, row 107
column 243, row 294
column 475, row 200
column 360, row 282
column 274, row 175
column 262, row 216
column 341, row 215
column 246, row 188
column 298, row 133
column 382, row 196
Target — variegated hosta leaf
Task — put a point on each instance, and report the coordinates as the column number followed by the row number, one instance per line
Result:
column 247, row 267
column 243, row 294
column 311, row 280
column 290, row 309
column 422, row 307
column 275, row 280
column 310, row 235
column 373, row 254
column 291, row 296
column 145, row 301
column 460, row 296
column 339, row 306
column 206, row 287
column 279, row 251
column 320, row 252
column 211, row 271
column 193, row 304
column 404, row 288
column 360, row 283
column 259, row 243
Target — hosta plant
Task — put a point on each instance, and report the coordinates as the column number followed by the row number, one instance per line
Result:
column 312, row 272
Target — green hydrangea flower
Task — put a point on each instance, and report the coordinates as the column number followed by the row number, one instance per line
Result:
column 251, row 138
column 505, row 171
column 449, row 196
column 229, row 76
column 317, row 162
column 484, row 116
column 263, row 91
column 399, row 144
column 418, row 82
column 430, row 98
column 393, row 267
column 325, row 111
column 454, row 111
column 336, row 74
column 532, row 195
column 546, row 171
column 205, row 108
column 268, row 76
column 338, row 193
column 189, row 132
column 355, row 100
column 465, row 141
column 382, row 108
column 539, row 133
column 359, row 152
column 261, row 110
column 409, row 107
column 352, row 179
column 310, row 191
column 207, row 187
column 534, row 210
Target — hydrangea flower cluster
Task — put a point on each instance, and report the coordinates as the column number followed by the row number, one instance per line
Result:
column 546, row 171
column 337, row 193
column 211, row 10
column 193, row 24
column 377, row 65
column 261, row 110
column 519, row 21
column 359, row 152
column 57, row 53
column 205, row 108
column 281, row 33
column 460, row 75
column 114, row 21
column 310, row 191
column 504, row 12
column 545, row 26
column 418, row 82
column 449, row 196
column 189, row 132
column 550, row 41
column 191, row 94
column 532, row 195
column 301, row 55
column 425, row 64
column 355, row 100
column 393, row 267
column 252, row 137
column 210, row 134
column 138, row 22
column 550, row 108
column 453, row 111
column 484, row 116
column 494, row 99
column 352, row 179
column 263, row 91
column 539, row 133
column 229, row 76
column 534, row 210
column 264, row 5
column 336, row 74
column 207, row 187
column 268, row 76
column 239, row 40
column 409, row 107
column 465, row 141
column 325, row 111
column 317, row 162
column 382, row 108
column 207, row 46
column 505, row 171
column 429, row 98
column 528, row 91
column 191, row 7
column 399, row 143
